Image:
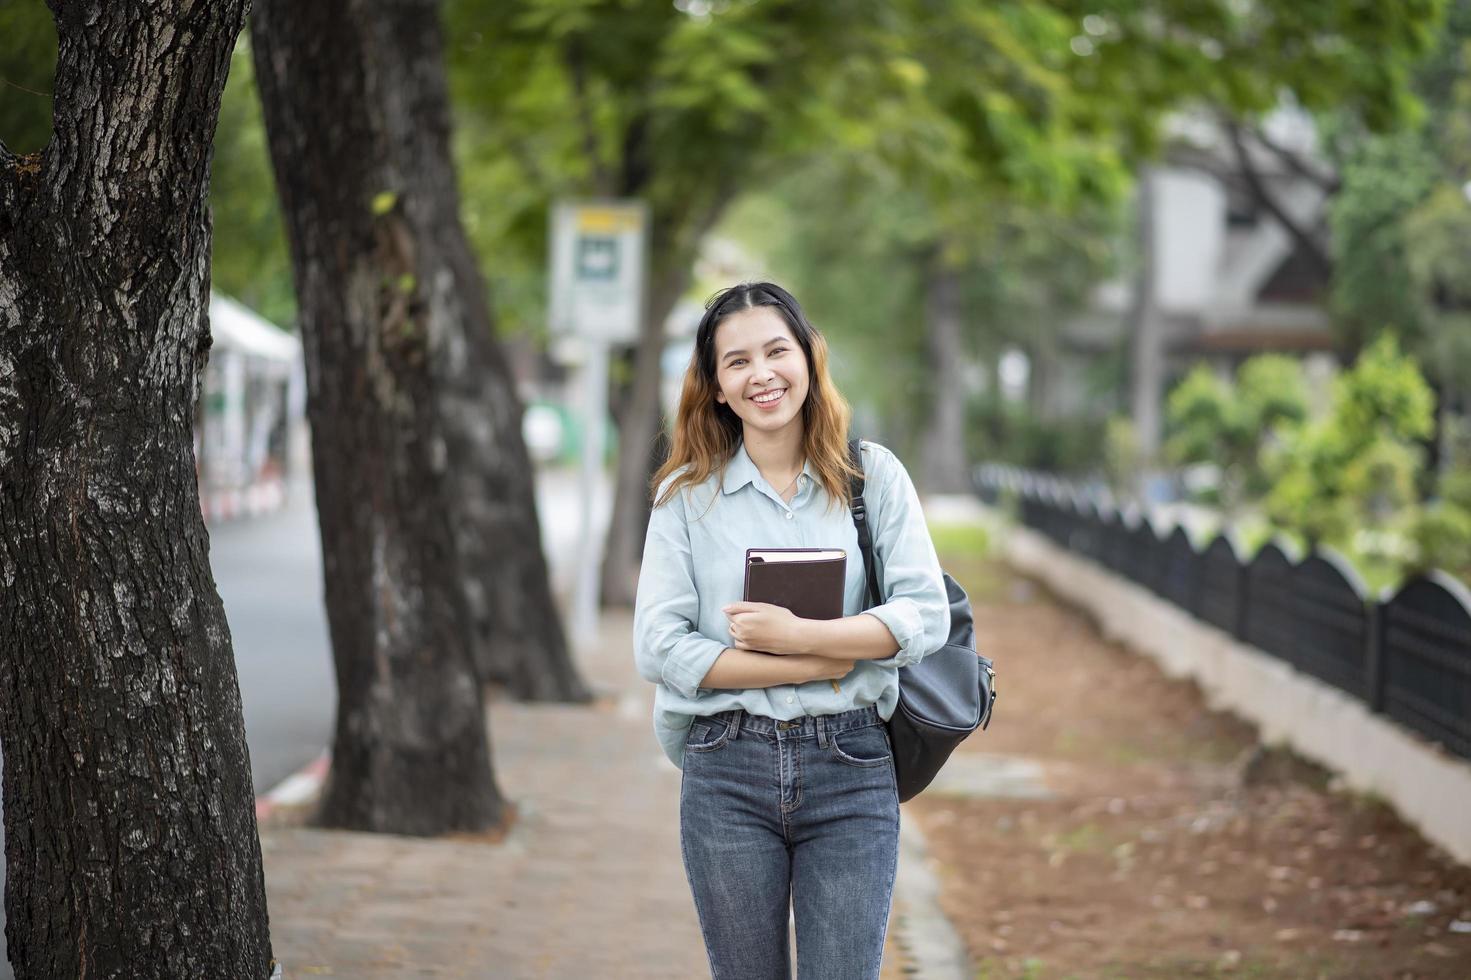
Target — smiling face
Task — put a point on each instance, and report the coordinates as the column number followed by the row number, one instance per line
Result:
column 760, row 369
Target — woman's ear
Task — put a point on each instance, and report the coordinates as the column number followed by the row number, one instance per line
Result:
column 720, row 398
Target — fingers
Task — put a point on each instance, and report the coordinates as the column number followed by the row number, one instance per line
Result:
column 736, row 608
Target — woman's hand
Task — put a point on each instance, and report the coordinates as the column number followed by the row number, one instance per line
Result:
column 764, row 627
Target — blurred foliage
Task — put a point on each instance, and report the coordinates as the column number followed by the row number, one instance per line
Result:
column 994, row 132
column 924, row 106
column 1007, row 432
column 27, row 65
column 1032, row 237
column 1440, row 534
column 1123, row 456
column 570, row 98
column 854, row 247
column 966, row 107
column 249, row 258
column 1382, row 182
column 1350, row 479
column 1401, row 222
column 1352, row 474
column 1232, row 425
column 1440, row 531
column 956, row 539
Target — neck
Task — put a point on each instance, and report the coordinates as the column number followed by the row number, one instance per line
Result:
column 778, row 452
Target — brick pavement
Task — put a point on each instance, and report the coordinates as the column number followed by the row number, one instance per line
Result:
column 588, row 884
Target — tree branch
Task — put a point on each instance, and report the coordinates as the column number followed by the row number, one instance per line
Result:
column 634, row 175
column 1328, row 182
column 572, row 59
column 1258, row 189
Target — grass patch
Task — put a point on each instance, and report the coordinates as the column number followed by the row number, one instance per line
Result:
column 966, row 552
column 961, row 540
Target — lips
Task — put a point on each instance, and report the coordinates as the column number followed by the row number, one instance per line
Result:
column 769, row 402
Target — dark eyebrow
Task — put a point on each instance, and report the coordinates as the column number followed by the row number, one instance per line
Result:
column 731, row 353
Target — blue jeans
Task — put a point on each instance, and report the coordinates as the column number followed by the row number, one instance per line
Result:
column 803, row 811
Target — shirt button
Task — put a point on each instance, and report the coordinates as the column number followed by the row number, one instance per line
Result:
column 790, row 699
column 789, row 515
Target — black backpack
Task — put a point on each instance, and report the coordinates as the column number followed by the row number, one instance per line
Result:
column 944, row 697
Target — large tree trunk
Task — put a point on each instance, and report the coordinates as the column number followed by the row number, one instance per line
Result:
column 944, row 457
column 518, row 634
column 519, row 640
column 130, row 834
column 349, row 88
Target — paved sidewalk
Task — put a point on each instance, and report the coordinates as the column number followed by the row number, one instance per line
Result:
column 588, row 884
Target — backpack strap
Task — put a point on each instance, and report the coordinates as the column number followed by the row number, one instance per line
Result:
column 860, row 521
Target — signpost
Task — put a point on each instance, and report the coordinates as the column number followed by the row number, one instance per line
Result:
column 597, row 299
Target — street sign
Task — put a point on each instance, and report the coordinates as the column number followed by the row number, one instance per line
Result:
column 597, row 283
column 598, row 261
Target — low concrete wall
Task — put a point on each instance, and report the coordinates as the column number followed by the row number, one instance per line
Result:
column 1428, row 786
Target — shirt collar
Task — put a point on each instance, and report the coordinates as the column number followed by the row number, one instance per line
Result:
column 741, row 470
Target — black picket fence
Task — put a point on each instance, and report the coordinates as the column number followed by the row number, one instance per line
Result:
column 1406, row 653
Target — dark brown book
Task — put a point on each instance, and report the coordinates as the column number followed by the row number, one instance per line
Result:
column 808, row 581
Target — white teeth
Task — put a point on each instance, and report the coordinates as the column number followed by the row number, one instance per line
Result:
column 768, row 398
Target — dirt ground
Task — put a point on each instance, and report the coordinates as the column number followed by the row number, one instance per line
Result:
column 1172, row 844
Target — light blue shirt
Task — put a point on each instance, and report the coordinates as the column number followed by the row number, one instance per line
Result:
column 694, row 564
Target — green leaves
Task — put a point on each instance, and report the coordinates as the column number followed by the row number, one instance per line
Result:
column 27, row 64
column 1237, row 426
column 249, row 260
column 1386, row 394
column 383, row 202
column 1358, row 467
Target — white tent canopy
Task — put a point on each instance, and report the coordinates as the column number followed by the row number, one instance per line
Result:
column 236, row 328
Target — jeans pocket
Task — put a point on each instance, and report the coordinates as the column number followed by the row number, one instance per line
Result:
column 706, row 735
column 868, row 746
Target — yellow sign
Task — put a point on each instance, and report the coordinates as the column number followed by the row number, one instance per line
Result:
column 608, row 221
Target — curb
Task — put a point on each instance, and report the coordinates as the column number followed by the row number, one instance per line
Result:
column 924, row 934
column 295, row 789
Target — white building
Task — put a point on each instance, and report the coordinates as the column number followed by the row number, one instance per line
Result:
column 1229, row 279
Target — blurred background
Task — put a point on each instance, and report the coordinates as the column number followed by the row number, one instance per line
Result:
column 1210, row 254
column 1205, row 262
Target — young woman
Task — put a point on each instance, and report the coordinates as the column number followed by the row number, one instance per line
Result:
column 788, row 800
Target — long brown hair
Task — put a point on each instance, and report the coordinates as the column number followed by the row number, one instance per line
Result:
column 706, row 433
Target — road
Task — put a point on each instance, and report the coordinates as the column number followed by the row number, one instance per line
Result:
column 269, row 574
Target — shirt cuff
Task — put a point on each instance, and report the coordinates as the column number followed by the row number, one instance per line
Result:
column 903, row 621
column 689, row 662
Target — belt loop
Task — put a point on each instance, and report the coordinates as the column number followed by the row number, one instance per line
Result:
column 821, row 731
column 734, row 725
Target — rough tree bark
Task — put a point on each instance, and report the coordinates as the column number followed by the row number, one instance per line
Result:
column 130, row 834
column 944, row 455
column 518, row 637
column 348, row 89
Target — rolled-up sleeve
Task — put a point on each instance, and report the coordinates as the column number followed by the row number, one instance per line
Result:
column 917, row 610
column 667, row 647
